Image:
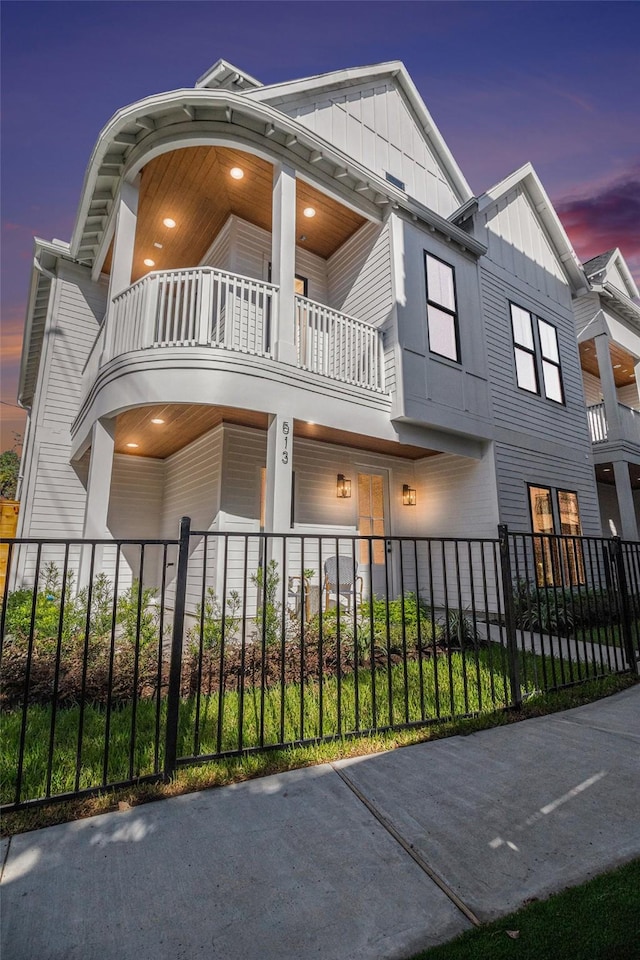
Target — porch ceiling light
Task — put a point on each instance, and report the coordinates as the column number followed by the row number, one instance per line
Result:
column 408, row 495
column 309, row 211
column 133, row 445
column 169, row 222
column 157, row 420
column 237, row 173
column 343, row 487
column 148, row 262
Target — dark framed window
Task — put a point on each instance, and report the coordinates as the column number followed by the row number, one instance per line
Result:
column 536, row 354
column 442, row 311
column 301, row 285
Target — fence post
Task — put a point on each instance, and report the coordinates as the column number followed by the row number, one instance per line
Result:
column 509, row 614
column 625, row 611
column 175, row 667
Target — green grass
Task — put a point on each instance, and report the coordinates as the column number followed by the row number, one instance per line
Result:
column 599, row 920
column 411, row 693
column 233, row 769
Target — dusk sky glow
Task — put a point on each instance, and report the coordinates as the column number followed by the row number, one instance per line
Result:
column 557, row 84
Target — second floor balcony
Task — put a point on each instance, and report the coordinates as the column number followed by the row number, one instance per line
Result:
column 603, row 429
column 214, row 309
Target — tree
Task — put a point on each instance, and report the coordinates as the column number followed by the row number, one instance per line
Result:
column 9, row 467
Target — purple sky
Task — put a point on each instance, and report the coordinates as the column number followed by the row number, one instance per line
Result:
column 554, row 83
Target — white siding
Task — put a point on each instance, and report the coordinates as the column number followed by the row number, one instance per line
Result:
column 359, row 276
column 457, row 497
column 592, row 389
column 629, row 396
column 374, row 124
column 244, row 248
column 518, row 242
column 53, row 497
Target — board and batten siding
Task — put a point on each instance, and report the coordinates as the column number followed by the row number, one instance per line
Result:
column 53, row 497
column 518, row 242
column 373, row 123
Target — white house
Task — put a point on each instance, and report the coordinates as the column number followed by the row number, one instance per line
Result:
column 278, row 295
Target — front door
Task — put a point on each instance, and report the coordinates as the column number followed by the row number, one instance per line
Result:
column 372, row 522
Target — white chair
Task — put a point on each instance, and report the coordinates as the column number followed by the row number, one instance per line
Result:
column 341, row 581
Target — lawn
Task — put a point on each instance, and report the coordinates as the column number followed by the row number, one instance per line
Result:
column 410, row 692
column 599, row 920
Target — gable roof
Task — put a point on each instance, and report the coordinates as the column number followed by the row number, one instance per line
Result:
column 278, row 93
column 599, row 268
column 224, row 76
column 528, row 179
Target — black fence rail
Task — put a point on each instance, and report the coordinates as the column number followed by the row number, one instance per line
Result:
column 123, row 660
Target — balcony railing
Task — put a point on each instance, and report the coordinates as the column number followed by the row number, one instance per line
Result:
column 338, row 346
column 600, row 428
column 214, row 308
column 203, row 307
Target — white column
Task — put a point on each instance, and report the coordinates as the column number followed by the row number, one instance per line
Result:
column 283, row 259
column 608, row 385
column 628, row 518
column 279, row 474
column 124, row 239
column 98, row 491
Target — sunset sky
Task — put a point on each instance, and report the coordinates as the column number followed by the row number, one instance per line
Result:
column 554, row 83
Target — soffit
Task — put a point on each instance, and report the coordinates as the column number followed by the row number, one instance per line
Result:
column 193, row 187
column 605, row 474
column 621, row 361
column 184, row 423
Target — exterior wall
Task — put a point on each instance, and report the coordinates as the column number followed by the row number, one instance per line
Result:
column 457, row 497
column 438, row 391
column 629, row 396
column 53, row 495
column 538, row 441
column 374, row 124
column 243, row 248
column 592, row 389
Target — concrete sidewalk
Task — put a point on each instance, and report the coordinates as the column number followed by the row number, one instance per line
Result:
column 375, row 857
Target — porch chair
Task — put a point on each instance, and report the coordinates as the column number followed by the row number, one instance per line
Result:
column 340, row 581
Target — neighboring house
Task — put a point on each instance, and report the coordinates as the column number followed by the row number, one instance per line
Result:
column 608, row 323
column 278, row 295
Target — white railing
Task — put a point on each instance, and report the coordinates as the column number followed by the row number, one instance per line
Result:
column 600, row 429
column 202, row 306
column 338, row 346
column 597, row 423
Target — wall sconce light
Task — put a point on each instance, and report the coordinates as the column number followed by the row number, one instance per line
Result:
column 343, row 488
column 408, row 495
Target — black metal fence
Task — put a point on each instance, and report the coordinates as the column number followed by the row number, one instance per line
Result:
column 123, row 660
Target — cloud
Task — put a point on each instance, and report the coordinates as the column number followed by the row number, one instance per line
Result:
column 605, row 217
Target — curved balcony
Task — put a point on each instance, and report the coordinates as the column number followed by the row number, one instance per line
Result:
column 204, row 307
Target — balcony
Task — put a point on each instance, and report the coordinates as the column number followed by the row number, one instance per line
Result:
column 214, row 309
column 601, row 431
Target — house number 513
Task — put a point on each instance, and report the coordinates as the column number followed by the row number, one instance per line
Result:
column 285, row 441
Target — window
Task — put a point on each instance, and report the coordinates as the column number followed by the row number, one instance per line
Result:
column 442, row 317
column 535, row 347
column 558, row 562
column 301, row 286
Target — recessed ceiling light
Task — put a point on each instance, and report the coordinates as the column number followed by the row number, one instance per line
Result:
column 132, row 445
column 168, row 222
column 237, row 173
column 148, row 262
column 302, row 237
column 309, row 211
column 606, row 469
column 158, row 245
column 157, row 420
column 617, row 366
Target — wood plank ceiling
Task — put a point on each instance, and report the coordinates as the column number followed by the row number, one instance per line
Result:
column 183, row 423
column 193, row 187
column 622, row 362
